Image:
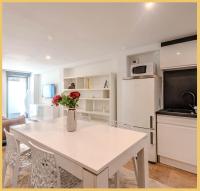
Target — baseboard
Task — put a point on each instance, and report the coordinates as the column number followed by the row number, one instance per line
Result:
column 178, row 164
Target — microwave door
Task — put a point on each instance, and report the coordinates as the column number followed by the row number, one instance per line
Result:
column 139, row 69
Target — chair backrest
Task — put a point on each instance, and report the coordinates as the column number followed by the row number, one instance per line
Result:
column 12, row 153
column 45, row 172
column 6, row 123
column 116, row 124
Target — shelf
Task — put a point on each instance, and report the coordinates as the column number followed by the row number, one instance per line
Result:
column 95, row 102
column 92, row 112
column 100, row 89
column 101, row 99
column 89, row 76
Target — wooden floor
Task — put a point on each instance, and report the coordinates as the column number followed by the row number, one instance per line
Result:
column 170, row 176
column 167, row 175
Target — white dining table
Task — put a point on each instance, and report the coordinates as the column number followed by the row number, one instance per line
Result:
column 93, row 153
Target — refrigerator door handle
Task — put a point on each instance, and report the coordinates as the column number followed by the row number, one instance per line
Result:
column 151, row 138
column 151, row 122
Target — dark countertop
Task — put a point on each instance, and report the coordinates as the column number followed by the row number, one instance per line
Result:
column 180, row 114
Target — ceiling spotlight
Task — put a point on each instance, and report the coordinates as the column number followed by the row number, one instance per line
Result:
column 178, row 53
column 149, row 5
column 47, row 57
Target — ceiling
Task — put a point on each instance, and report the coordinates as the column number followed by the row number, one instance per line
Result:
column 37, row 36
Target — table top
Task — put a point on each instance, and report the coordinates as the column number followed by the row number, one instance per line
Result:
column 93, row 145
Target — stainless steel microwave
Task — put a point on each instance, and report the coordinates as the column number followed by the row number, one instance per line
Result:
column 143, row 69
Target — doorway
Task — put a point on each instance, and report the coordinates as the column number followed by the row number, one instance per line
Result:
column 17, row 88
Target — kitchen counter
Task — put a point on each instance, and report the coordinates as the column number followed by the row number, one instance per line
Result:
column 176, row 113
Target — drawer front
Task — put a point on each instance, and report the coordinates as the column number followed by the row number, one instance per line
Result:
column 175, row 120
column 177, row 142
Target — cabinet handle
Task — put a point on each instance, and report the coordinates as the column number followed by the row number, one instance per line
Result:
column 151, row 138
column 151, row 122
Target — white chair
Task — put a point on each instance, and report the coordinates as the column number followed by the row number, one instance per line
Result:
column 134, row 158
column 16, row 157
column 46, row 173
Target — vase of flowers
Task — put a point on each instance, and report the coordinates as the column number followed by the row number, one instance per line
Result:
column 70, row 101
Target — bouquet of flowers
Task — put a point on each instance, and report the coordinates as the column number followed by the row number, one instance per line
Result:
column 70, row 101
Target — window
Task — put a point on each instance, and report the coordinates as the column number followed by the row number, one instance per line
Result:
column 17, row 93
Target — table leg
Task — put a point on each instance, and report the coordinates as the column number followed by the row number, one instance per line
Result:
column 91, row 180
column 143, row 171
column 135, row 168
column 4, row 171
column 116, row 178
column 15, row 173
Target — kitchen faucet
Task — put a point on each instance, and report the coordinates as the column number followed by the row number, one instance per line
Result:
column 193, row 99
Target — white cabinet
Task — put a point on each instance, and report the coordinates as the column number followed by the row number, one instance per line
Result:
column 178, row 55
column 177, row 140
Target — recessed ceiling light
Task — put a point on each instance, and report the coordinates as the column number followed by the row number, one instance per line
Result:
column 47, row 57
column 178, row 53
column 50, row 37
column 149, row 5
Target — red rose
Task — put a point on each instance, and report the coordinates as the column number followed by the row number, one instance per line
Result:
column 56, row 99
column 74, row 95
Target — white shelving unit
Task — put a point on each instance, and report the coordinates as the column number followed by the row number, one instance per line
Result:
column 96, row 100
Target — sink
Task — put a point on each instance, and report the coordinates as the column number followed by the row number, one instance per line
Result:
column 178, row 112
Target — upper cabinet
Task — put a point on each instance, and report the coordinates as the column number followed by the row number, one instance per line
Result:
column 178, row 55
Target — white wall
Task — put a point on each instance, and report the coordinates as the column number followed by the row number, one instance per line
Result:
column 50, row 77
column 4, row 90
column 35, row 88
column 104, row 66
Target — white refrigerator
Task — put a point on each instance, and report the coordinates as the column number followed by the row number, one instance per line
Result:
column 140, row 101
